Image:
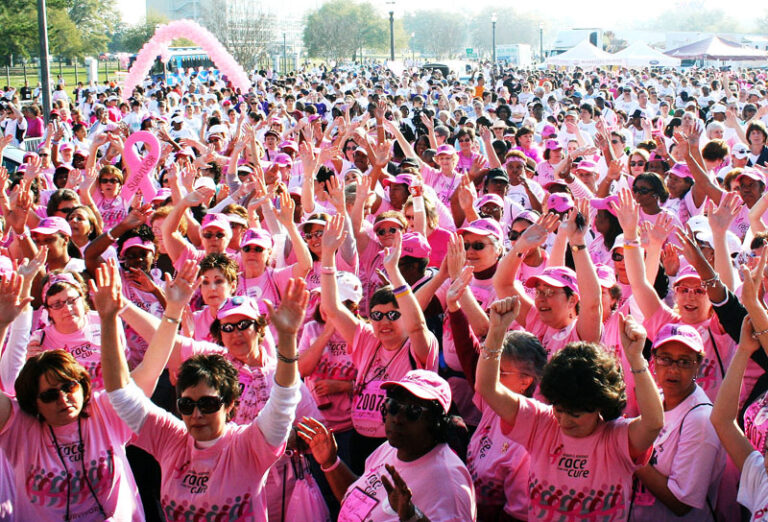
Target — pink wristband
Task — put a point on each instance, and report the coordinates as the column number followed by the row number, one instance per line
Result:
column 330, row 270
column 332, row 466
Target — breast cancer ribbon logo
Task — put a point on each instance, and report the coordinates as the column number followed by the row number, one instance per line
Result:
column 140, row 168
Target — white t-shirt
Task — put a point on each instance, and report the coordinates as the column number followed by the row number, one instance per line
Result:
column 753, row 486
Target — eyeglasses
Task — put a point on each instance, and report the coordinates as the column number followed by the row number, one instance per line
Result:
column 217, row 235
column 253, row 248
column 206, row 405
column 105, row 181
column 514, row 235
column 685, row 290
column 615, row 142
column 52, row 394
column 350, row 148
column 546, row 292
column 317, row 234
column 384, row 231
column 617, row 257
column 58, row 305
column 412, row 411
column 683, row 364
column 392, row 315
column 65, row 210
column 643, row 191
column 636, row 163
column 475, row 245
column 240, row 325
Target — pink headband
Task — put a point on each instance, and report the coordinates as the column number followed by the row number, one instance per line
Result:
column 514, row 159
column 64, row 277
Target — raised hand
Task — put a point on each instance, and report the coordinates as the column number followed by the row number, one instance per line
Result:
column 750, row 290
column 107, row 289
column 670, row 259
column 660, row 231
column 398, row 493
column 29, row 268
column 502, row 313
column 288, row 318
column 138, row 216
column 456, row 256
column 198, row 197
column 392, row 255
column 11, row 301
column 632, row 335
column 179, row 291
column 574, row 232
column 627, row 213
column 381, row 153
column 747, row 343
column 458, row 287
column 333, row 235
column 335, row 188
column 720, row 219
column 287, row 207
column 689, row 245
column 320, row 440
column 536, row 234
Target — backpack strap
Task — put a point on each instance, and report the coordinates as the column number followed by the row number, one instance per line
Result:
column 717, row 352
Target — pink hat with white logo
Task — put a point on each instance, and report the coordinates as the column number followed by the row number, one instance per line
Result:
column 239, row 305
column 493, row 199
column 424, row 384
column 606, row 275
column 415, row 245
column 557, row 276
column 560, row 202
column 215, row 220
column 445, row 149
column 289, row 144
column 680, row 170
column 258, row 237
column 751, row 173
column 682, row 333
column 548, row 130
column 283, row 160
column 588, row 166
column 483, row 227
column 53, row 225
column 553, row 145
column 687, row 272
column 405, row 179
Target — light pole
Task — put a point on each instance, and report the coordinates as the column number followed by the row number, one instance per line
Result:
column 413, row 49
column 45, row 74
column 391, row 30
column 285, row 60
column 493, row 37
column 541, row 42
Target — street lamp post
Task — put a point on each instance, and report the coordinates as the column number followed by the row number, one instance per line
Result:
column 541, row 42
column 413, row 49
column 391, row 30
column 285, row 59
column 45, row 73
column 493, row 37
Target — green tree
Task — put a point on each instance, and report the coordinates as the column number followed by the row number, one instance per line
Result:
column 512, row 27
column 95, row 20
column 64, row 39
column 133, row 37
column 436, row 32
column 693, row 15
column 339, row 29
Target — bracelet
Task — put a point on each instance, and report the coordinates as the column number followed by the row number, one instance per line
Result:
column 626, row 246
column 289, row 360
column 171, row 319
column 328, row 270
column 711, row 282
column 489, row 355
column 757, row 335
column 400, row 289
column 109, row 235
column 403, row 293
column 634, row 242
column 333, row 466
column 641, row 370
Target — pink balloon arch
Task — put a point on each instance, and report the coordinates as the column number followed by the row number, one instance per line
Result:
column 158, row 46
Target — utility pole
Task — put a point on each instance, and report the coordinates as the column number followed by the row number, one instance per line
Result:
column 45, row 73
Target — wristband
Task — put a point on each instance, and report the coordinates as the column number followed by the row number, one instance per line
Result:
column 171, row 319
column 403, row 293
column 124, row 308
column 289, row 360
column 641, row 370
column 328, row 270
column 491, row 354
column 109, row 235
column 626, row 246
column 400, row 289
column 711, row 282
column 757, row 335
column 632, row 242
column 333, row 466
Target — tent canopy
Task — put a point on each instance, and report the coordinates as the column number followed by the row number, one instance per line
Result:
column 584, row 54
column 640, row 54
column 715, row 48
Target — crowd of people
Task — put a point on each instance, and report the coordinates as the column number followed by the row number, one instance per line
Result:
column 356, row 295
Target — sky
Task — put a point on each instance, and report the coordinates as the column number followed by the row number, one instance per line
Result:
column 607, row 14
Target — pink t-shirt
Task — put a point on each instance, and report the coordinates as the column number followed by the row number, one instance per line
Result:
column 443, row 185
column 552, row 339
column 374, row 366
column 499, row 467
column 371, row 260
column 40, row 477
column 112, row 210
column 718, row 347
column 136, row 344
column 438, row 241
column 334, row 363
column 8, row 498
column 266, row 286
column 84, row 345
column 222, row 482
column 203, row 319
column 575, row 479
column 454, row 498
column 611, row 340
column 756, row 422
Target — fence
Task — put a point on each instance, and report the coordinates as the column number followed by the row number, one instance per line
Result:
column 70, row 73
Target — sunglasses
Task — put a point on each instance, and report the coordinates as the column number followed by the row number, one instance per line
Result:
column 253, row 248
column 684, row 290
column 384, row 231
column 350, row 148
column 643, row 191
column 206, row 405
column 412, row 411
column 240, row 325
column 636, row 163
column 317, row 234
column 392, row 315
column 475, row 245
column 105, row 181
column 65, row 210
column 617, row 257
column 58, row 305
column 217, row 235
column 52, row 394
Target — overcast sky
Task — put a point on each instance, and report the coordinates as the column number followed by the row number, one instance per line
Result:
column 607, row 14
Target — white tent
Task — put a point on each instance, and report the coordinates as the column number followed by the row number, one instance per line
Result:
column 640, row 54
column 584, row 54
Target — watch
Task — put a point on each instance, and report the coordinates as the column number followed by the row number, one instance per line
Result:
column 576, row 248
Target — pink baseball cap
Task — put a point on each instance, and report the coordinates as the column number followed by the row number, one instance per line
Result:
column 53, row 225
column 415, row 245
column 139, row 243
column 587, row 165
column 560, row 202
column 548, row 130
column 682, row 333
column 258, row 237
column 238, row 305
column 553, row 145
column 387, row 221
column 483, row 227
column 162, row 194
column 605, row 275
column 751, row 173
column 289, row 144
column 424, row 384
column 687, row 272
column 407, row 179
column 494, row 199
column 283, row 160
column 66, row 146
column 216, row 220
column 680, row 170
column 604, row 203
column 557, row 276
column 445, row 149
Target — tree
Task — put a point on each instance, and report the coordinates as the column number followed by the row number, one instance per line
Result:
column 436, row 33
column 64, row 39
column 340, row 29
column 693, row 15
column 95, row 21
column 512, row 27
column 245, row 31
column 132, row 38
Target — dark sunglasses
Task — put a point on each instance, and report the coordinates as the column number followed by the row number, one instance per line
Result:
column 52, row 394
column 412, row 411
column 643, row 191
column 392, row 315
column 617, row 257
column 317, row 234
column 383, row 231
column 240, row 325
column 253, row 248
column 66, row 210
column 206, row 405
column 104, row 181
column 514, row 235
column 475, row 245
column 636, row 163
column 217, row 235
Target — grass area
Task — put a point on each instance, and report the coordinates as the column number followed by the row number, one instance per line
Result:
column 16, row 76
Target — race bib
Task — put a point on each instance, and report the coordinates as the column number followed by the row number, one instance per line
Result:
column 357, row 506
column 366, row 410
